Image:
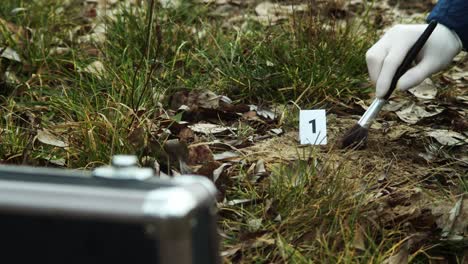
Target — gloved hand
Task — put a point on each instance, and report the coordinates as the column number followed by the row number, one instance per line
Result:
column 388, row 53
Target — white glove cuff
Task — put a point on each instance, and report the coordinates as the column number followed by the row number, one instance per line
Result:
column 454, row 34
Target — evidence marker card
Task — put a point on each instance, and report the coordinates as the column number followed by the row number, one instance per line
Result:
column 313, row 127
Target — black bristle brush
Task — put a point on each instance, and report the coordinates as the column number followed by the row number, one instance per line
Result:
column 356, row 137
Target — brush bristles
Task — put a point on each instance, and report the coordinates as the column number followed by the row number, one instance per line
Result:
column 355, row 138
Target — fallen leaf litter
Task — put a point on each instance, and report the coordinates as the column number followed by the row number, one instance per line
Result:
column 407, row 135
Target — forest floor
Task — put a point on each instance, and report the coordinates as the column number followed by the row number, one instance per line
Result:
column 214, row 87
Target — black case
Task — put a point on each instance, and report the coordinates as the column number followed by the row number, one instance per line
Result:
column 115, row 214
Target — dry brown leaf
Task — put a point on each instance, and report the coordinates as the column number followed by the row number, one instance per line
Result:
column 277, row 131
column 96, row 68
column 393, row 106
column 10, row 54
column 186, row 134
column 207, row 169
column 16, row 33
column 362, row 104
column 250, row 115
column 209, row 129
column 452, row 219
column 263, row 112
column 208, row 99
column 413, row 113
column 219, row 171
column 426, row 90
column 227, row 155
column 137, row 137
column 199, row 154
column 176, row 149
column 8, row 26
column 44, row 136
column 396, row 132
column 447, row 137
column 231, row 251
column 401, row 257
column 359, row 236
column 196, row 99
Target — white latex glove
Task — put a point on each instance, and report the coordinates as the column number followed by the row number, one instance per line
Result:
column 388, row 53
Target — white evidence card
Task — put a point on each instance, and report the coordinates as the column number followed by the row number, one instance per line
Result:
column 313, row 127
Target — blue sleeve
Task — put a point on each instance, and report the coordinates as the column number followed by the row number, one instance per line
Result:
column 454, row 15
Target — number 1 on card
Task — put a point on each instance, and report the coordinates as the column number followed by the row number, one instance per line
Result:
column 313, row 127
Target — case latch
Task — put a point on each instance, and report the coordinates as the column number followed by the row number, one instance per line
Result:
column 123, row 167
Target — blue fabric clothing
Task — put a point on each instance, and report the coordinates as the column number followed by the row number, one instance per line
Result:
column 454, row 15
